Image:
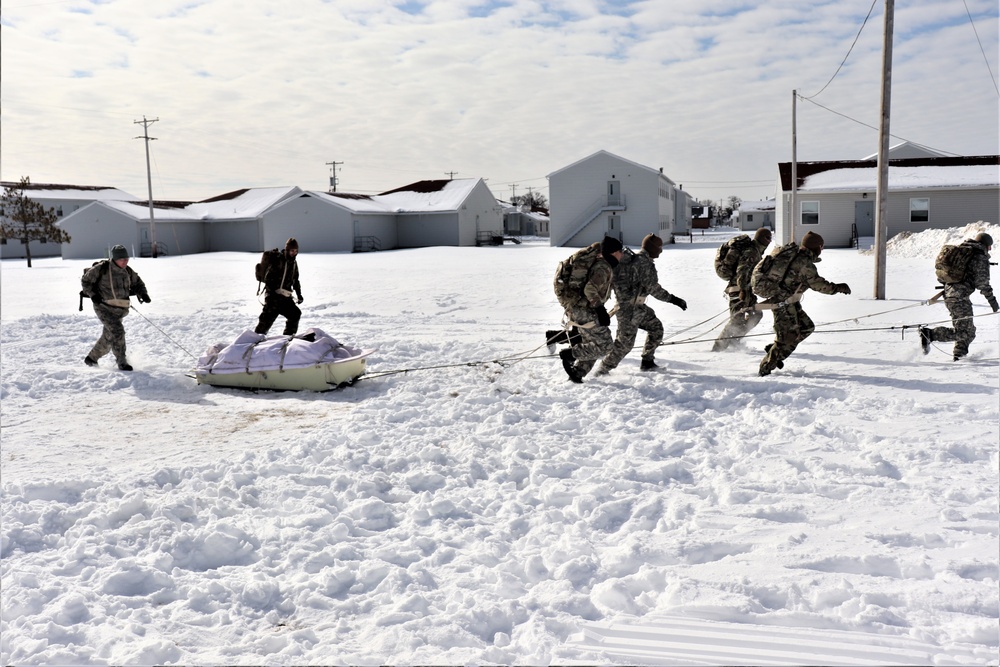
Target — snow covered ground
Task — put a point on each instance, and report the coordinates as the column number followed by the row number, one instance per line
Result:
column 479, row 509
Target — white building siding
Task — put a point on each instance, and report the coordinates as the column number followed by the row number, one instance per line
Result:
column 948, row 208
column 94, row 229
column 580, row 191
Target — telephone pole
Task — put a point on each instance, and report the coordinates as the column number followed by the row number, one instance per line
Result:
column 882, row 189
column 149, row 181
column 333, row 175
column 451, row 175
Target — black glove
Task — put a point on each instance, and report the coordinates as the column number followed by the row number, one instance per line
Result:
column 96, row 298
column 144, row 298
column 299, row 300
column 602, row 315
column 993, row 303
column 842, row 288
column 677, row 301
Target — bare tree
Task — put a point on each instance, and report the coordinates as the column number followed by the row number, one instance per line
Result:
column 532, row 199
column 23, row 218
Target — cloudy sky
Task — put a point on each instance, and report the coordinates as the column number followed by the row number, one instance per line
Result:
column 262, row 93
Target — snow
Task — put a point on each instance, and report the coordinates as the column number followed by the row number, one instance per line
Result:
column 465, row 503
column 905, row 178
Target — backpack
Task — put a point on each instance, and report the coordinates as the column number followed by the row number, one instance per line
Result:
column 728, row 256
column 952, row 262
column 104, row 269
column 268, row 258
column 572, row 274
column 769, row 274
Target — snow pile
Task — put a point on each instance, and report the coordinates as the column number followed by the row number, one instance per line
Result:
column 927, row 243
column 465, row 503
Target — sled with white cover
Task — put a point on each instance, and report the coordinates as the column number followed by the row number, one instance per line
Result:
column 310, row 361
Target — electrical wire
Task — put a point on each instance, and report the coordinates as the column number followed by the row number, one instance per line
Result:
column 856, row 37
column 973, row 23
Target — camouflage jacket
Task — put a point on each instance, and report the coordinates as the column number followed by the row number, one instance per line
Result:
column 977, row 274
column 112, row 284
column 283, row 274
column 597, row 290
column 635, row 277
column 744, row 267
column 802, row 275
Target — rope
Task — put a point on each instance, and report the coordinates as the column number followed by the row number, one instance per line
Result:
column 163, row 332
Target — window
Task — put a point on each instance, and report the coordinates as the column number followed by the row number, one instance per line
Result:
column 810, row 213
column 749, row 217
column 920, row 210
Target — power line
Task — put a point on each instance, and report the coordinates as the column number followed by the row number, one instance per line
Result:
column 992, row 78
column 856, row 37
column 872, row 127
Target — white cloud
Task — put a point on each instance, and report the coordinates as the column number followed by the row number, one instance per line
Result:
column 262, row 94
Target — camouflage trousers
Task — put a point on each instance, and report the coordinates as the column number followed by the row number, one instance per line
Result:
column 113, row 337
column 630, row 320
column 963, row 329
column 595, row 342
column 742, row 320
column 791, row 327
column 274, row 305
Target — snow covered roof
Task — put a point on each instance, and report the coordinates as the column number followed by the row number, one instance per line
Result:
column 904, row 178
column 751, row 206
column 58, row 191
column 237, row 205
column 140, row 210
column 420, row 197
column 429, row 196
column 242, row 204
column 916, row 173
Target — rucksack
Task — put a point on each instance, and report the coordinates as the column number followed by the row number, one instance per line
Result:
column 268, row 258
column 105, row 265
column 728, row 256
column 769, row 274
column 572, row 274
column 952, row 262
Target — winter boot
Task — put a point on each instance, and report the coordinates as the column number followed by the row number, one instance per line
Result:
column 777, row 364
column 89, row 361
column 648, row 364
column 960, row 351
column 124, row 366
column 569, row 365
column 925, row 339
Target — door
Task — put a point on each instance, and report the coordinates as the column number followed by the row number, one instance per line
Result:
column 614, row 193
column 864, row 217
column 615, row 226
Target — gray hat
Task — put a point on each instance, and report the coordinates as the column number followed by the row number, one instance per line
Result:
column 119, row 252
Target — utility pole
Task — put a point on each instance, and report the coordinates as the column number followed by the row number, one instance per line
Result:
column 513, row 192
column 793, row 214
column 149, row 179
column 882, row 189
column 451, row 175
column 333, row 175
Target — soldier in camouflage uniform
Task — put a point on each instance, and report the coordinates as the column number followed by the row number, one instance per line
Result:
column 281, row 280
column 109, row 284
column 590, row 316
column 635, row 279
column 956, row 299
column 791, row 324
column 743, row 317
